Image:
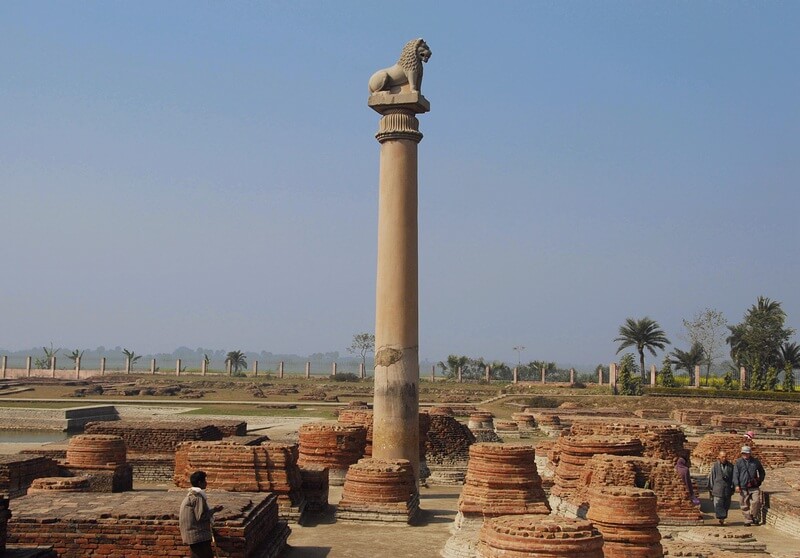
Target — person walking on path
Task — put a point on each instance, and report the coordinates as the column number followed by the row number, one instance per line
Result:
column 720, row 483
column 682, row 468
column 748, row 474
column 195, row 518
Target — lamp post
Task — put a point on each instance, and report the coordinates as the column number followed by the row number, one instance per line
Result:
column 519, row 349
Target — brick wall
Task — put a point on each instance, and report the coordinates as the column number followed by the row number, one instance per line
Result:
column 164, row 437
column 17, row 472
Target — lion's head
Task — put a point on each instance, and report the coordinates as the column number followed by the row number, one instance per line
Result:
column 414, row 54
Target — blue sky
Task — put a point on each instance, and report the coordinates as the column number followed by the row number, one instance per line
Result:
column 205, row 174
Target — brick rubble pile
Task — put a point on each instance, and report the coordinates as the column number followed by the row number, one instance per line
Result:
column 447, row 449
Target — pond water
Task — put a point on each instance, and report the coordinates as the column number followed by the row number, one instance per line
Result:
column 31, row 436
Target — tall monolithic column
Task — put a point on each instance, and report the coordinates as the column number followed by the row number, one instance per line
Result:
column 395, row 94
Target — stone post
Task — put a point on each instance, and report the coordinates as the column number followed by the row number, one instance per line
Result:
column 229, row 367
column 280, row 370
column 396, row 400
column 127, row 365
column 53, row 366
column 516, row 375
column 433, row 373
column 362, row 372
column 333, row 369
column 308, row 370
column 460, row 378
column 488, row 373
column 152, row 366
column 653, row 375
column 544, row 375
column 612, row 374
column 28, row 366
column 255, row 368
column 571, row 375
column 599, row 375
column 103, row 366
column 178, row 367
column 77, row 368
column 4, row 365
column 742, row 376
column 697, row 376
column 203, row 367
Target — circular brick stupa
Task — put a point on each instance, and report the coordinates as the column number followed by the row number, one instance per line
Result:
column 96, row 450
column 628, row 520
column 359, row 417
column 524, row 536
column 379, row 490
column 332, row 445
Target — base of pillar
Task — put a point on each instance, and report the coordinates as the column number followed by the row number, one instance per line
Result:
column 379, row 491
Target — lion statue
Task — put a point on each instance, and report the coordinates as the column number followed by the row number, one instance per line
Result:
column 407, row 70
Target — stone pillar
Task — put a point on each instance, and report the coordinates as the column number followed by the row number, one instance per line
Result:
column 28, row 366
column 460, row 378
column 127, row 365
column 653, row 374
column 544, row 375
column 178, row 367
column 599, row 375
column 255, row 368
column 516, row 374
column 203, row 367
column 362, row 373
column 433, row 373
column 612, row 373
column 396, row 400
column 229, row 367
column 280, row 369
column 571, row 375
column 77, row 368
column 488, row 373
column 333, row 369
column 742, row 376
column 4, row 365
column 53, row 366
column 697, row 376
column 308, row 370
column 102, row 366
column 152, row 366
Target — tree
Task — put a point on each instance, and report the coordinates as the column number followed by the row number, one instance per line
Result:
column 206, row 361
column 363, row 343
column 687, row 360
column 771, row 379
column 237, row 360
column 131, row 356
column 642, row 334
column 628, row 385
column 665, row 374
column 75, row 355
column 44, row 362
column 788, row 378
column 708, row 328
column 757, row 341
column 453, row 363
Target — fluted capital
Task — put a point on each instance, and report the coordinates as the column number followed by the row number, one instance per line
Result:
column 398, row 124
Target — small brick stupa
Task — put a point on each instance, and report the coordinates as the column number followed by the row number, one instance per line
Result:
column 447, row 446
column 523, row 536
column 102, row 458
column 628, row 520
column 379, row 490
column 332, row 445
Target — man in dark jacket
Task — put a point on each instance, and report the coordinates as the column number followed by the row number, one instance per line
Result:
column 748, row 474
column 195, row 518
column 720, row 483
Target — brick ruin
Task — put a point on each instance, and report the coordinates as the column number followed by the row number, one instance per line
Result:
column 4, row 515
column 447, row 448
column 315, row 487
column 481, row 423
column 102, row 458
column 269, row 467
column 332, row 445
column 164, row 436
column 771, row 453
column 522, row 536
column 782, row 491
column 628, row 520
column 143, row 525
column 501, row 480
column 379, row 490
column 359, row 417
column 49, row 485
column 17, row 472
column 661, row 440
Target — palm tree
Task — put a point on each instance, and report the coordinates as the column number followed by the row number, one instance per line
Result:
column 131, row 356
column 642, row 334
column 789, row 355
column 687, row 360
column 237, row 360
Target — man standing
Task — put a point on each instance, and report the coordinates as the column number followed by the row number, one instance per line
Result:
column 720, row 483
column 195, row 518
column 748, row 474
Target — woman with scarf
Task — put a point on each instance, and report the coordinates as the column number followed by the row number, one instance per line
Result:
column 683, row 472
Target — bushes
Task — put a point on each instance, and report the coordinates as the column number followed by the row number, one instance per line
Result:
column 345, row 377
column 630, row 383
column 726, row 394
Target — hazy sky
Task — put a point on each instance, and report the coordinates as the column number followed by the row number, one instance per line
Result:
column 205, row 173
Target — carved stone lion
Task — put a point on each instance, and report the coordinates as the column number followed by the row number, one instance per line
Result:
column 407, row 70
